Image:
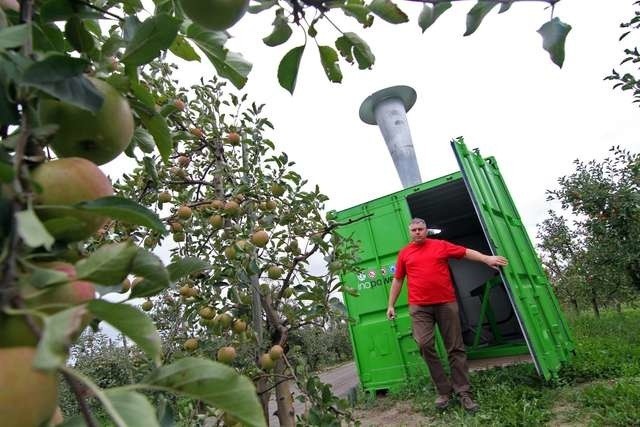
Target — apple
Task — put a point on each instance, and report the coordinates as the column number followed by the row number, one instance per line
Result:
column 239, row 326
column 147, row 305
column 176, row 227
column 233, row 139
column 226, row 354
column 164, row 197
column 274, row 272
column 183, row 161
column 231, row 208
column 230, row 252
column 179, row 104
column 216, row 221
column 277, row 189
column 207, row 312
column 184, row 212
column 197, row 132
column 99, row 137
column 191, row 344
column 266, row 362
column 225, row 320
column 216, row 15
column 179, row 236
column 67, row 182
column 28, row 397
column 260, row 238
column 276, row 352
column 217, row 204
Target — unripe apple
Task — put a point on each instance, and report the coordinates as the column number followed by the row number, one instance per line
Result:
column 216, row 221
column 98, row 137
column 231, row 208
column 207, row 312
column 226, row 354
column 164, row 197
column 266, row 362
column 67, row 182
column 260, row 238
column 288, row 292
column 197, row 132
column 225, row 320
column 216, row 15
column 28, row 397
column 230, row 252
column 179, row 104
column 270, row 205
column 191, row 344
column 277, row 189
column 217, row 204
column 233, row 139
column 176, row 227
column 243, row 245
column 183, row 161
column 147, row 305
column 274, row 272
column 150, row 242
column 178, row 172
column 276, row 352
column 239, row 326
column 184, row 212
column 179, row 236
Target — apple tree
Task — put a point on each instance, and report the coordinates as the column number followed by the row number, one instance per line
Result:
column 231, row 200
column 593, row 254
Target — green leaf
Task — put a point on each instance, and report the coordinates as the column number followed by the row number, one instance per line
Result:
column 477, row 14
column 150, row 169
column 14, row 36
column 150, row 267
column 350, row 45
column 125, row 210
column 554, row 35
column 62, row 10
column 144, row 140
column 32, row 231
column 109, row 265
column 62, row 76
column 214, row 383
column 357, row 9
column 47, row 36
column 229, row 65
column 133, row 407
column 40, row 277
column 185, row 266
column 281, row 30
column 131, row 322
column 8, row 115
column 288, row 68
column 262, row 5
column 388, row 11
column 60, row 331
column 78, row 36
column 430, row 13
column 505, row 6
column 155, row 34
column 158, row 127
column 183, row 49
column 329, row 60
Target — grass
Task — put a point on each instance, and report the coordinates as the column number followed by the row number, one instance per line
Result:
column 599, row 387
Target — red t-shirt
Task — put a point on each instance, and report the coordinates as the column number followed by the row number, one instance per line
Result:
column 427, row 271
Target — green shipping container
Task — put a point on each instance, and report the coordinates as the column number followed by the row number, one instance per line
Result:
column 504, row 313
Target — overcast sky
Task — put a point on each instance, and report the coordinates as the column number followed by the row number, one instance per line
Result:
column 497, row 88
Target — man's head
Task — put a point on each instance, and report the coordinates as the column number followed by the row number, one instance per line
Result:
column 418, row 230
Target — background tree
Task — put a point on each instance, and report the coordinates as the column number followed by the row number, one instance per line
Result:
column 626, row 80
column 594, row 257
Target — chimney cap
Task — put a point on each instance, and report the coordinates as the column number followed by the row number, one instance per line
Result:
column 405, row 93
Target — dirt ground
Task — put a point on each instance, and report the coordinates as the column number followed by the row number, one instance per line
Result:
column 399, row 414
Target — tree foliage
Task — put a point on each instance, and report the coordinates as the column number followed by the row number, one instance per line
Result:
column 592, row 252
column 627, row 80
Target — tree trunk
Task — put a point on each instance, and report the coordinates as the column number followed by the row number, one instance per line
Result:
column 574, row 303
column 261, row 385
column 284, row 399
column 594, row 303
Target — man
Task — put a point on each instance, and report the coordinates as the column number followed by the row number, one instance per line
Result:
column 432, row 301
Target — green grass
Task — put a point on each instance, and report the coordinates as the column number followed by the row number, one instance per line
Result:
column 599, row 387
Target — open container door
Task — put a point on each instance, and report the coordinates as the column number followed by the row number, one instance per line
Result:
column 538, row 312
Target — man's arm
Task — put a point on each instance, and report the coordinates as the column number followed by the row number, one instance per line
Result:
column 492, row 261
column 396, row 287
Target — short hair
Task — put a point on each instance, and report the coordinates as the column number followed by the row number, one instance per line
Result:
column 418, row 221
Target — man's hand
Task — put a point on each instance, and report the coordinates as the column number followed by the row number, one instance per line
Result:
column 496, row 261
column 391, row 313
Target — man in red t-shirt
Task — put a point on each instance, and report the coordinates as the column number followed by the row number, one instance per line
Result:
column 432, row 301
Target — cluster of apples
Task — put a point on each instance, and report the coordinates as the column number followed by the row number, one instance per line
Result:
column 82, row 141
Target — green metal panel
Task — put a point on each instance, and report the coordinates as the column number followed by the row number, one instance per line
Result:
column 546, row 331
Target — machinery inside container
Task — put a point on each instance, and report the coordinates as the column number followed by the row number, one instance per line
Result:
column 486, row 313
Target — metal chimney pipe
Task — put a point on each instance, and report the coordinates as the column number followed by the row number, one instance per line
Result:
column 387, row 108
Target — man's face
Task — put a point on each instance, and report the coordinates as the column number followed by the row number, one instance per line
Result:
column 418, row 232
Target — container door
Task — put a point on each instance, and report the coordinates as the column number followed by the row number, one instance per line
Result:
column 543, row 325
